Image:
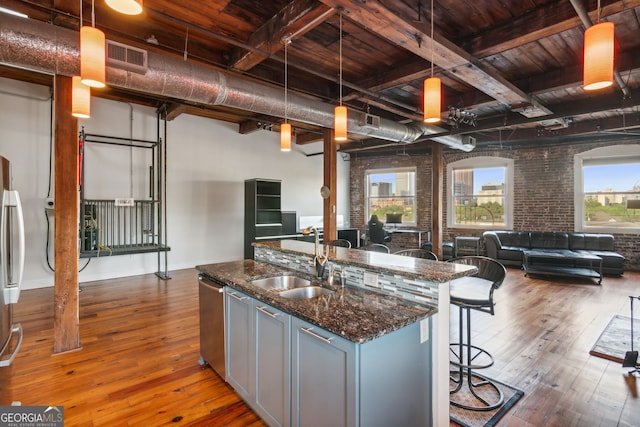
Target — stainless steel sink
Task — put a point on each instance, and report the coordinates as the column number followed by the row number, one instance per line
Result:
column 306, row 292
column 281, row 282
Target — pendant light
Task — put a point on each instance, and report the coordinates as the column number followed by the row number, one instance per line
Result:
column 285, row 128
column 432, row 90
column 127, row 7
column 340, row 125
column 80, row 99
column 92, row 53
column 598, row 55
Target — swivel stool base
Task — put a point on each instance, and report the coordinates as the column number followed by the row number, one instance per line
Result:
column 485, row 394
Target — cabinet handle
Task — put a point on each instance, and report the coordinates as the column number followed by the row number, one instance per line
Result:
column 267, row 312
column 234, row 296
column 313, row 334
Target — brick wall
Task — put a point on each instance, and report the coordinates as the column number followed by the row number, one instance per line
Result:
column 543, row 189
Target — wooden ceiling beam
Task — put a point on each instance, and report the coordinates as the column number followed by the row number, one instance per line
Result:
column 541, row 22
column 447, row 55
column 303, row 138
column 582, row 107
column 615, row 127
column 295, row 19
column 628, row 62
column 393, row 77
column 258, row 123
column 174, row 110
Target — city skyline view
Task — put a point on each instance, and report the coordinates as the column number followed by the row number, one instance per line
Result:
column 620, row 177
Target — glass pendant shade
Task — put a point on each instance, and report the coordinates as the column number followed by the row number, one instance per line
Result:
column 80, row 99
column 127, row 7
column 340, row 123
column 598, row 56
column 285, row 137
column 92, row 57
column 432, row 100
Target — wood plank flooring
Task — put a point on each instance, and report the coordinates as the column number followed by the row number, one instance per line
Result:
column 139, row 362
column 540, row 338
column 138, row 365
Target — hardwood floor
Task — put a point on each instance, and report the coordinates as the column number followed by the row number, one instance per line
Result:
column 540, row 338
column 138, row 365
column 139, row 362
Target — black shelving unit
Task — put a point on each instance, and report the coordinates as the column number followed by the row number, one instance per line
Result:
column 262, row 212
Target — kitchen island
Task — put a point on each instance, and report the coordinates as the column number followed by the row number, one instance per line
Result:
column 370, row 350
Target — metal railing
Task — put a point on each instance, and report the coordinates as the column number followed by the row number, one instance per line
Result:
column 474, row 215
column 105, row 226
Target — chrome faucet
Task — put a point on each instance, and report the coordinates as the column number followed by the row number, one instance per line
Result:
column 320, row 259
column 337, row 272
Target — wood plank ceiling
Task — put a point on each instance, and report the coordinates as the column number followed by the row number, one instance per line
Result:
column 514, row 65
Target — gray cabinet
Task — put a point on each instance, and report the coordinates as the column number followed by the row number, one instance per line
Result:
column 239, row 343
column 324, row 378
column 258, row 356
column 273, row 366
column 294, row 373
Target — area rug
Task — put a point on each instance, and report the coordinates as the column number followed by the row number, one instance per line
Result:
column 615, row 340
column 467, row 418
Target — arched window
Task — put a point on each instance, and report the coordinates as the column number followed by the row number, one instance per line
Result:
column 480, row 193
column 607, row 189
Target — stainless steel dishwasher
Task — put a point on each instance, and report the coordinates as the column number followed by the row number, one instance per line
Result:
column 212, row 350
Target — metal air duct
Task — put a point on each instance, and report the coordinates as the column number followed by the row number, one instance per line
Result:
column 49, row 49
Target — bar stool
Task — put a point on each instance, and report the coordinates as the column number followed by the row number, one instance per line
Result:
column 417, row 253
column 376, row 247
column 343, row 243
column 474, row 293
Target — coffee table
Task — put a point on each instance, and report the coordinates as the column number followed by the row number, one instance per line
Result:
column 562, row 262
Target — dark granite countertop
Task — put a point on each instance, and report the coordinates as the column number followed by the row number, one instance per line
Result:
column 395, row 264
column 353, row 313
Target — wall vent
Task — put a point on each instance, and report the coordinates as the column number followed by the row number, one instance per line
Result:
column 469, row 141
column 126, row 57
column 371, row 121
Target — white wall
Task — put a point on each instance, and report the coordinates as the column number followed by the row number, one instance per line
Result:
column 208, row 162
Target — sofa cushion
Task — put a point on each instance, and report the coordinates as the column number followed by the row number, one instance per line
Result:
column 513, row 238
column 586, row 241
column 510, row 253
column 609, row 259
column 549, row 240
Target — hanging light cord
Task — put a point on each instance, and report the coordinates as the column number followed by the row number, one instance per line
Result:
column 340, row 58
column 93, row 14
column 598, row 15
column 186, row 43
column 432, row 38
column 286, row 80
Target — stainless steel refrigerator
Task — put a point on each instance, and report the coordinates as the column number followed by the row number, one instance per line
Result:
column 11, row 268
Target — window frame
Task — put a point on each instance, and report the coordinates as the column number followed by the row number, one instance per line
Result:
column 482, row 162
column 381, row 171
column 608, row 155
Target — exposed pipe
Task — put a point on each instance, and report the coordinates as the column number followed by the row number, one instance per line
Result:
column 48, row 49
column 583, row 14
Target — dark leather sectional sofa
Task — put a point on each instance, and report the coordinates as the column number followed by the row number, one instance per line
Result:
column 507, row 247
